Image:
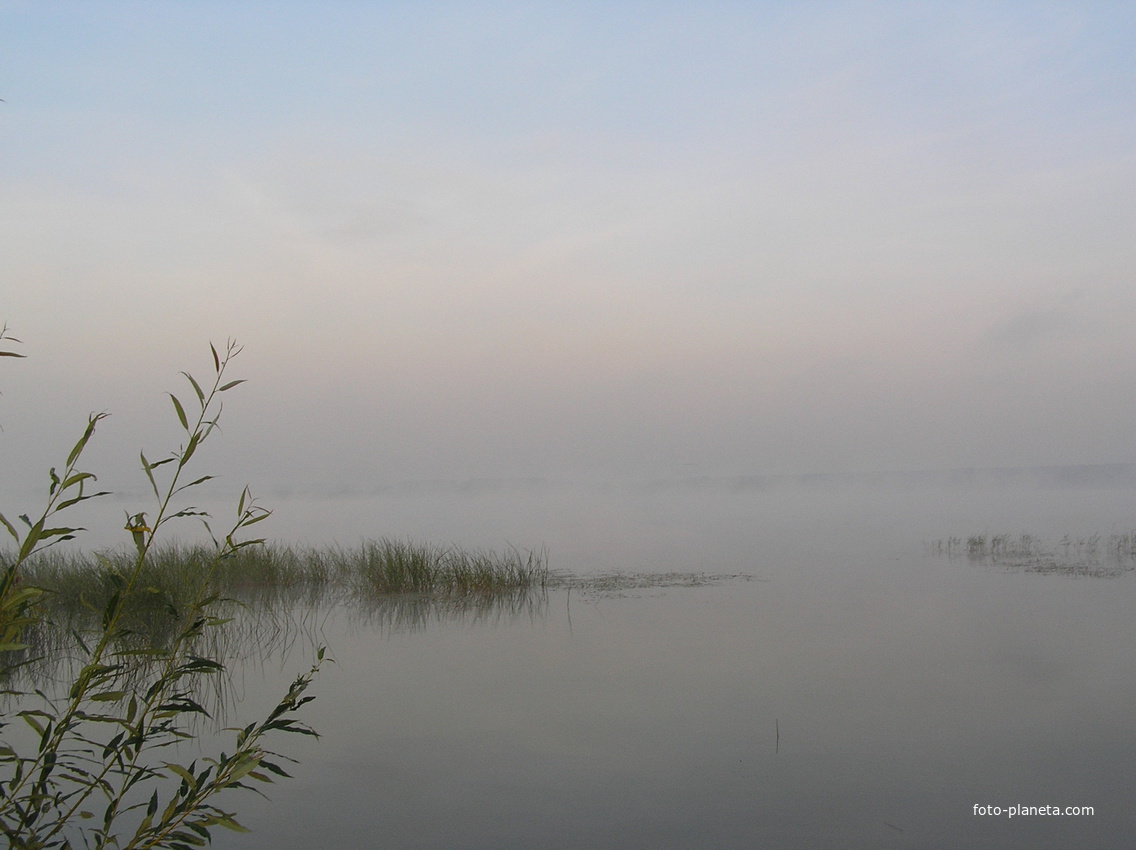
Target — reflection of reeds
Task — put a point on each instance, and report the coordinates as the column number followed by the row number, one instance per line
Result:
column 415, row 611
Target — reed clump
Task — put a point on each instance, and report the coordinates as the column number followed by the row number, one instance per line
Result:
column 78, row 586
column 393, row 566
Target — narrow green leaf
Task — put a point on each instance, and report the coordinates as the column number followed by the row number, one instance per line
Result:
column 196, row 388
column 147, row 467
column 92, row 421
column 81, row 498
column 30, row 539
column 56, row 532
column 183, row 704
column 111, row 609
column 194, row 483
column 187, row 511
column 79, row 638
column 108, row 696
column 31, row 721
column 190, row 448
column 216, row 359
column 180, row 411
column 228, row 822
column 275, row 768
column 171, row 807
column 183, row 773
column 198, row 663
column 199, row 829
column 112, row 745
column 77, row 477
column 231, row 384
column 17, row 598
column 11, row 529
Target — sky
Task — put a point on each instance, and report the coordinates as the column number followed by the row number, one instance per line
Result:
column 587, row 240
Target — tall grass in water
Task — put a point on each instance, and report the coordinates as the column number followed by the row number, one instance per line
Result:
column 391, row 566
column 79, row 586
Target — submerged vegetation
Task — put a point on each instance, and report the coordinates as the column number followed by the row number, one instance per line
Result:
column 1093, row 556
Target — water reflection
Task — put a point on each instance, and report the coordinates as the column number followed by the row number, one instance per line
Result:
column 257, row 627
column 856, row 692
column 416, row 612
column 776, row 713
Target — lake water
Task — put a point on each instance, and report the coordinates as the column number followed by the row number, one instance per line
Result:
column 849, row 689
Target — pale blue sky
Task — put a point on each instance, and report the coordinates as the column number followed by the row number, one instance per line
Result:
column 574, row 239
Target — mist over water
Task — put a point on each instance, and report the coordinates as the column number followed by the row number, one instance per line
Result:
column 658, row 525
column 600, row 280
column 854, row 689
column 721, row 523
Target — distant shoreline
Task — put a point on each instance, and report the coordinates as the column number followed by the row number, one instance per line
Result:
column 1121, row 475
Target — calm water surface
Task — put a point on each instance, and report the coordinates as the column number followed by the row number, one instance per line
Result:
column 853, row 691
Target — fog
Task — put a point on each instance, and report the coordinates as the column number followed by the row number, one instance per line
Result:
column 569, row 241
